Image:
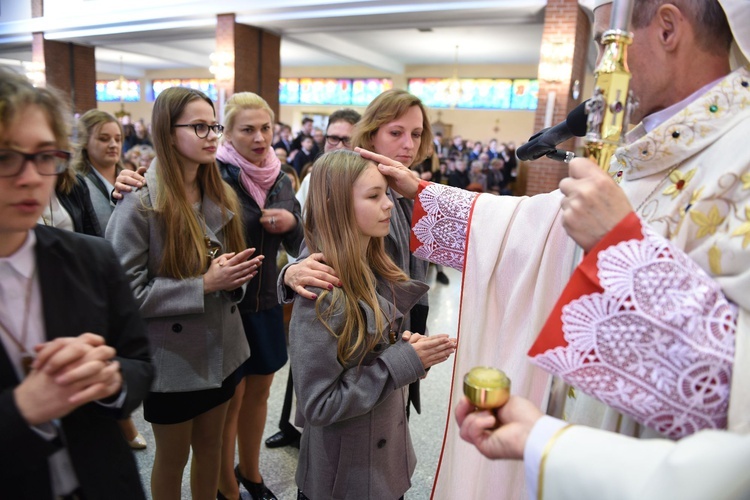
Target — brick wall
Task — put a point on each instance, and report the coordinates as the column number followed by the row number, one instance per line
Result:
column 70, row 68
column 564, row 22
column 257, row 59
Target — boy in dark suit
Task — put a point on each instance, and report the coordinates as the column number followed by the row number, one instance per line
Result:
column 73, row 351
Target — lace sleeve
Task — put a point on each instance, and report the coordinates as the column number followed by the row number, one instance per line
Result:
column 657, row 343
column 441, row 224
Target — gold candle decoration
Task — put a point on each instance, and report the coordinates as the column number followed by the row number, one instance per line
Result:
column 487, row 388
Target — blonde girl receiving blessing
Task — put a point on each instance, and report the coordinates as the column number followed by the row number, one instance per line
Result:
column 350, row 363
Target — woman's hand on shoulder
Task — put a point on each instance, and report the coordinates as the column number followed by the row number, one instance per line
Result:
column 433, row 349
column 127, row 180
column 278, row 220
column 312, row 272
column 231, row 270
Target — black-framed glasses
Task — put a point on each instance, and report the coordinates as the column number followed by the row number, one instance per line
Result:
column 50, row 162
column 334, row 140
column 201, row 129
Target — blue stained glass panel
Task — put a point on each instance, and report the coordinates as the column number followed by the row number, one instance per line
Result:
column 111, row 91
column 525, row 94
column 205, row 85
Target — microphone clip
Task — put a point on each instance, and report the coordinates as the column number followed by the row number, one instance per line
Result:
column 561, row 155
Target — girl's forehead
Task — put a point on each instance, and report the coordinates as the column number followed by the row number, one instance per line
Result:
column 197, row 109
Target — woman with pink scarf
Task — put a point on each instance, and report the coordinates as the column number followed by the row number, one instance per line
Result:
column 271, row 215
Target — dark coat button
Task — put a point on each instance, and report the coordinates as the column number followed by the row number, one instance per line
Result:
column 177, row 328
column 234, row 308
column 381, row 443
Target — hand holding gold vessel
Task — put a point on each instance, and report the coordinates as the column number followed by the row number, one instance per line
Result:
column 487, row 388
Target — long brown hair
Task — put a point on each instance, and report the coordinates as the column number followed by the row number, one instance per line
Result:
column 185, row 253
column 385, row 108
column 331, row 228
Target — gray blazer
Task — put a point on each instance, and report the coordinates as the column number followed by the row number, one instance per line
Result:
column 197, row 339
column 356, row 441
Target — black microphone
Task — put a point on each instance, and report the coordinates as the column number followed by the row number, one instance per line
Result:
column 545, row 142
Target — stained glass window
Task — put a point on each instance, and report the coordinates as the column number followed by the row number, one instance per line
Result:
column 331, row 91
column 117, row 90
column 525, row 94
column 205, row 85
column 476, row 93
column 288, row 91
column 367, row 89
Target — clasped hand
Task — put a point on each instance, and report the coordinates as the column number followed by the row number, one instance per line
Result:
column 68, row 372
column 431, row 350
column 231, row 270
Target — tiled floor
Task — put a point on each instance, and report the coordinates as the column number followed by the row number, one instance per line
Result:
column 278, row 465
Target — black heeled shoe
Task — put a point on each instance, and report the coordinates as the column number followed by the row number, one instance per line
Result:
column 258, row 491
column 220, row 495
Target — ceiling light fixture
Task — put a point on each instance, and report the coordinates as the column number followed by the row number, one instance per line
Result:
column 36, row 73
column 454, row 85
column 222, row 66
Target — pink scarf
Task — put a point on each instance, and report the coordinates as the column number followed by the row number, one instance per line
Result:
column 257, row 179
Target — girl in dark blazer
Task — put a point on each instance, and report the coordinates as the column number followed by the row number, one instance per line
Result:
column 70, row 206
column 74, row 303
column 350, row 364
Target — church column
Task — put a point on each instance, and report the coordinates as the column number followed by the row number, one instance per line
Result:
column 68, row 67
column 565, row 42
column 247, row 59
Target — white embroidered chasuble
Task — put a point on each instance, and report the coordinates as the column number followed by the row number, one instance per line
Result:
column 689, row 180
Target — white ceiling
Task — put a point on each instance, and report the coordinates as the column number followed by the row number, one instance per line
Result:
column 142, row 35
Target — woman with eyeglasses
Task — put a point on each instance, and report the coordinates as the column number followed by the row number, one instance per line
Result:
column 73, row 349
column 271, row 217
column 181, row 241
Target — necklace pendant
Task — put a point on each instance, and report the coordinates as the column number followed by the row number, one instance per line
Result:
column 212, row 248
column 26, row 361
column 392, row 336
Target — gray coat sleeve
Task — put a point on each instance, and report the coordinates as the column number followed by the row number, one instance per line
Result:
column 326, row 391
column 137, row 242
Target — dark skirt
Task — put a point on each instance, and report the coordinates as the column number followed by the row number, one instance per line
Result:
column 176, row 407
column 265, row 334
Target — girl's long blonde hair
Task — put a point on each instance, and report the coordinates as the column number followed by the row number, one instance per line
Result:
column 185, row 251
column 331, row 228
